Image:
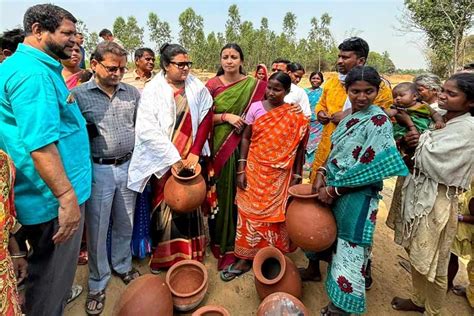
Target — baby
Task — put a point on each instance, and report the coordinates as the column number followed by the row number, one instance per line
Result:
column 411, row 114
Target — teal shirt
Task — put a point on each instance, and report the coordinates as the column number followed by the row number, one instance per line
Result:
column 36, row 109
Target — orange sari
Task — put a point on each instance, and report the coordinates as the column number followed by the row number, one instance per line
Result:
column 261, row 206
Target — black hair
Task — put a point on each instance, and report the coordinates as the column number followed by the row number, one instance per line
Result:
column 356, row 45
column 105, row 32
column 406, row 86
column 167, row 52
column 281, row 61
column 363, row 73
column 294, row 67
column 235, row 46
column 10, row 39
column 283, row 78
column 141, row 51
column 319, row 73
column 105, row 47
column 465, row 83
column 49, row 17
column 468, row 66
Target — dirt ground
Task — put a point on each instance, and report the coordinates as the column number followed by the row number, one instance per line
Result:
column 240, row 298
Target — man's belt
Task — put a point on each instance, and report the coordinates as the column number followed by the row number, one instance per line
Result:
column 112, row 161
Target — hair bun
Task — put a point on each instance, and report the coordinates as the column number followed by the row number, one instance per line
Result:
column 163, row 47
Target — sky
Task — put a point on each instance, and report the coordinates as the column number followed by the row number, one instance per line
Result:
column 377, row 21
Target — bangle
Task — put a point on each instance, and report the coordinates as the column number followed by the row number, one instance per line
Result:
column 241, row 172
column 323, row 169
column 59, row 195
column 21, row 254
column 242, row 160
column 460, row 217
column 297, row 176
column 327, row 191
column 337, row 192
column 223, row 117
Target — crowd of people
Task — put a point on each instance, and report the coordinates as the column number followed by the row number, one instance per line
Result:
column 85, row 154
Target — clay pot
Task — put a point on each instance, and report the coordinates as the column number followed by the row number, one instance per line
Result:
column 147, row 295
column 184, row 193
column 188, row 282
column 310, row 224
column 211, row 310
column 275, row 272
column 281, row 303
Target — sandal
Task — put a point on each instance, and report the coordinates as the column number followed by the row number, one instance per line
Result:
column 230, row 273
column 95, row 303
column 331, row 309
column 76, row 290
column 83, row 258
column 128, row 276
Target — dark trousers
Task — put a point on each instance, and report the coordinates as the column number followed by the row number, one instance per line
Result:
column 51, row 268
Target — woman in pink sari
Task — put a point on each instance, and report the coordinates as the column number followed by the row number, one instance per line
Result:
column 72, row 73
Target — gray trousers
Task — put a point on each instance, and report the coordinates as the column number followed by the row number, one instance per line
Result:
column 51, row 268
column 110, row 199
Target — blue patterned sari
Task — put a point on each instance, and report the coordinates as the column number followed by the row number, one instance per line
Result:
column 315, row 128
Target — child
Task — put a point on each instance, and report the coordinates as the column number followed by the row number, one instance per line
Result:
column 271, row 156
column 409, row 113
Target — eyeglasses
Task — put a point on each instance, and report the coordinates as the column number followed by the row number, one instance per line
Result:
column 183, row 64
column 113, row 69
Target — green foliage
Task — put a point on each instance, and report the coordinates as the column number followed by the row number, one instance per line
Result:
column 190, row 23
column 445, row 23
column 129, row 33
column 160, row 31
column 381, row 62
column 90, row 43
column 232, row 26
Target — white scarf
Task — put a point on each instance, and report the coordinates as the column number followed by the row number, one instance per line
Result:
column 154, row 151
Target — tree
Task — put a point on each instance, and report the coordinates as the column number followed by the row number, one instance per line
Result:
column 286, row 42
column 160, row 31
column 90, row 43
column 445, row 23
column 129, row 33
column 320, row 38
column 232, row 26
column 381, row 62
column 190, row 23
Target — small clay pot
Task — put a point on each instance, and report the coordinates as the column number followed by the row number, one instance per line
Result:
column 281, row 303
column 188, row 282
column 310, row 224
column 148, row 295
column 211, row 310
column 275, row 272
column 185, row 192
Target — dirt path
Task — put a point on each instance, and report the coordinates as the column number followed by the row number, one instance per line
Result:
column 240, row 297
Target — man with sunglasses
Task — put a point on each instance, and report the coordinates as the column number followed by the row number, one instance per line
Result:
column 145, row 63
column 109, row 107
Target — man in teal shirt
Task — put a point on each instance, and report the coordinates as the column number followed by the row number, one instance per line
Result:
column 42, row 129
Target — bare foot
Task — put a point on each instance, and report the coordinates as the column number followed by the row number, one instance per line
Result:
column 309, row 275
column 406, row 305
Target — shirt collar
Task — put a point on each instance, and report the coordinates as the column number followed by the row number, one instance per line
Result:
column 136, row 76
column 40, row 55
column 92, row 84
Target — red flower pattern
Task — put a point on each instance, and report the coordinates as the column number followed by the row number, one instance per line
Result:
column 368, row 156
column 379, row 119
column 362, row 270
column 373, row 216
column 344, row 284
column 352, row 122
column 334, row 161
column 351, row 244
column 356, row 152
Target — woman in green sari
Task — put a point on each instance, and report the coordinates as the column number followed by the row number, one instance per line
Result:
column 233, row 92
column 363, row 154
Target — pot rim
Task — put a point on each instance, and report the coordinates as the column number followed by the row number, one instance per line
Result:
column 197, row 172
column 293, row 193
column 211, row 308
column 183, row 263
column 267, row 253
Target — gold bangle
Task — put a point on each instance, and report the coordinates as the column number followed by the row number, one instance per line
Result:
column 21, row 254
column 240, row 172
column 327, row 191
column 337, row 192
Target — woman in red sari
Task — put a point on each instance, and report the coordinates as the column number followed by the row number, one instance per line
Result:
column 72, row 72
column 262, row 72
column 271, row 156
column 233, row 92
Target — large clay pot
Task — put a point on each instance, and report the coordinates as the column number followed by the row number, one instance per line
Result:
column 310, row 224
column 275, row 272
column 188, row 282
column 281, row 304
column 147, row 295
column 185, row 192
column 211, row 310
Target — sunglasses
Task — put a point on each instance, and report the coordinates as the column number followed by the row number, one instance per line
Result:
column 113, row 69
column 183, row 64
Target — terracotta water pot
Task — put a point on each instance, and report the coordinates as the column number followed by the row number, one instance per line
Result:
column 281, row 304
column 185, row 192
column 147, row 295
column 211, row 310
column 310, row 224
column 188, row 282
column 275, row 272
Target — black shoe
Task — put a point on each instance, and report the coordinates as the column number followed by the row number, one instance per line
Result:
column 368, row 276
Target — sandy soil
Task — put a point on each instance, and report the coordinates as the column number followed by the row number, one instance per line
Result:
column 240, row 297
